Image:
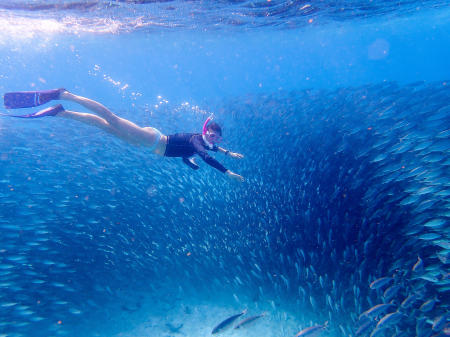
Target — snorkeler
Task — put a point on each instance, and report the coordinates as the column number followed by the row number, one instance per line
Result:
column 184, row 145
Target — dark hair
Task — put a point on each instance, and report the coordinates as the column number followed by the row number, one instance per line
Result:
column 213, row 126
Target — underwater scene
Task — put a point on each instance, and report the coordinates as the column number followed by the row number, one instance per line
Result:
column 233, row 168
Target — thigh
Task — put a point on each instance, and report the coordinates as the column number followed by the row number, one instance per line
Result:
column 128, row 130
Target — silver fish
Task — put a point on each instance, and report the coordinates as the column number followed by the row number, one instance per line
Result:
column 389, row 319
column 227, row 322
column 428, row 305
column 248, row 320
column 418, row 266
column 312, row 330
column 381, row 282
column 377, row 309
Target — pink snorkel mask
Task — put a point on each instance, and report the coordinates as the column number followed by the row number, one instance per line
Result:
column 208, row 136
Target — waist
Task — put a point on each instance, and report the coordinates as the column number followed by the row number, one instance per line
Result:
column 161, row 148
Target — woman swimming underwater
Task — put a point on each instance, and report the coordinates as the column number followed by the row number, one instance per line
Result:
column 184, row 145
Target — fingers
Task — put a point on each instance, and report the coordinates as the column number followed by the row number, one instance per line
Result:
column 235, row 176
column 239, row 178
column 237, row 155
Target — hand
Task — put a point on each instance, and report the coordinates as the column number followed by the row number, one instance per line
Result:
column 235, row 155
column 234, row 176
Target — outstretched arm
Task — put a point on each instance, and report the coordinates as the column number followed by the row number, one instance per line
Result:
column 201, row 151
column 232, row 175
column 229, row 153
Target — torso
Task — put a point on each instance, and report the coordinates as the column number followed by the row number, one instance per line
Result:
column 182, row 145
column 186, row 145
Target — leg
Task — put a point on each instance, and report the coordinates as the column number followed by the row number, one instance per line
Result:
column 103, row 119
column 99, row 122
column 118, row 126
column 94, row 106
column 87, row 119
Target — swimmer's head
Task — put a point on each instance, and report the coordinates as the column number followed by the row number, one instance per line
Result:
column 212, row 131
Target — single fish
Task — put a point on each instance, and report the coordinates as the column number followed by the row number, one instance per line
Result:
column 377, row 332
column 377, row 309
column 391, row 292
column 248, row 320
column 436, row 223
column 439, row 322
column 389, row 319
column 226, row 323
column 444, row 257
column 364, row 328
column 418, row 266
column 381, row 282
column 312, row 330
column 409, row 301
column 428, row 305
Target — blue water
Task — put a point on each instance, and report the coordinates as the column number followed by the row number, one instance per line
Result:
column 342, row 111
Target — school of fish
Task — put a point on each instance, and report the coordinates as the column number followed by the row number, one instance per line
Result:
column 344, row 215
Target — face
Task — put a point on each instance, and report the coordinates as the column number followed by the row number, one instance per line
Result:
column 213, row 137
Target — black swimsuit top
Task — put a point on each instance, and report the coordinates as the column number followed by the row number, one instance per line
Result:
column 186, row 145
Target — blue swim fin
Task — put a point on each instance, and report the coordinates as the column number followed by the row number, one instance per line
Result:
column 28, row 99
column 51, row 111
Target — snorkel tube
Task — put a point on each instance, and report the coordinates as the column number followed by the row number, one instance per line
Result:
column 205, row 125
column 205, row 131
